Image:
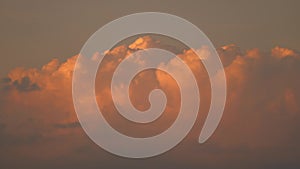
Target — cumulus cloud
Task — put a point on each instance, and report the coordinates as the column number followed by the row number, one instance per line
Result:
column 261, row 117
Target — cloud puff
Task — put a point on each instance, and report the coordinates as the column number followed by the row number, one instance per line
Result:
column 283, row 52
column 261, row 119
column 142, row 43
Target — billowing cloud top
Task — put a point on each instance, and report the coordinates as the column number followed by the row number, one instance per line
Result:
column 39, row 127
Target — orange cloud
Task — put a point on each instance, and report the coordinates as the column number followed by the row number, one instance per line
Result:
column 261, row 116
column 283, row 52
column 142, row 43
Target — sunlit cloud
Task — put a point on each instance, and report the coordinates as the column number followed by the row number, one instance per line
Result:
column 262, row 110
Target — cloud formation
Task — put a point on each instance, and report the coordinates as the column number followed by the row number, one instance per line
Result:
column 261, row 119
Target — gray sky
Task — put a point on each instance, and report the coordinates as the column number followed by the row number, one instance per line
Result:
column 35, row 31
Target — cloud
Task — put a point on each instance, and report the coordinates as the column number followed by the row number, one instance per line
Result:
column 283, row 52
column 261, row 118
column 25, row 85
column 142, row 43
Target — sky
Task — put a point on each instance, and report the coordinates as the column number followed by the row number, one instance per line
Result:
column 257, row 43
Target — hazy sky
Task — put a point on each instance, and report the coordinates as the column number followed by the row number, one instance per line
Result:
column 35, row 31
